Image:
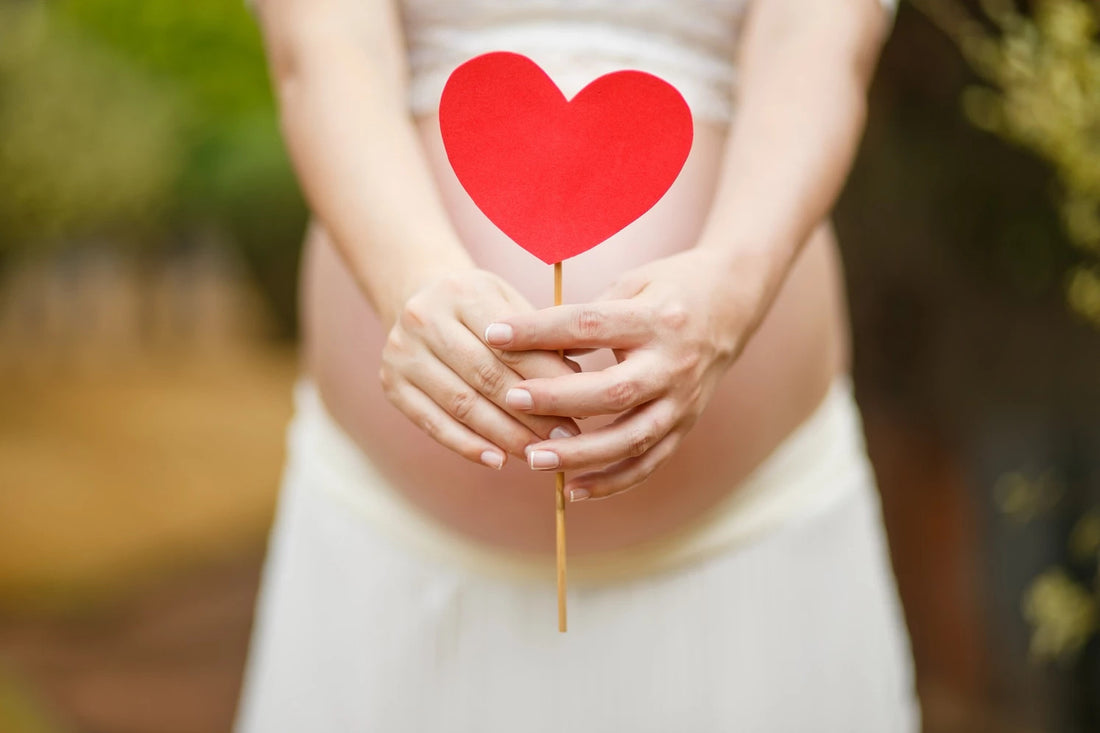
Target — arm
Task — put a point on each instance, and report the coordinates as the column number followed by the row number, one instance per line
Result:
column 806, row 67
column 339, row 71
column 677, row 324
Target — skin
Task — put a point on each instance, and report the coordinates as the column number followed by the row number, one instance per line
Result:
column 707, row 331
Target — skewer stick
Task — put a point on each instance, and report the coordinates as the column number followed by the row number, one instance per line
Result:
column 559, row 494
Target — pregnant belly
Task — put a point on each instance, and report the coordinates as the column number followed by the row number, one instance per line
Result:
column 780, row 378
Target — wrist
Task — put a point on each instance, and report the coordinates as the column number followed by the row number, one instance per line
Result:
column 390, row 288
column 741, row 283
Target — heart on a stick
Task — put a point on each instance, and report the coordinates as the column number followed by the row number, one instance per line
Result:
column 560, row 176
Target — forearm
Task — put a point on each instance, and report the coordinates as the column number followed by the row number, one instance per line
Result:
column 804, row 73
column 355, row 149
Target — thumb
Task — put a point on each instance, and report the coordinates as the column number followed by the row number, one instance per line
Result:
column 626, row 286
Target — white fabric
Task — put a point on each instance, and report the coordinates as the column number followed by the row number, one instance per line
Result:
column 796, row 630
column 692, row 44
column 812, row 470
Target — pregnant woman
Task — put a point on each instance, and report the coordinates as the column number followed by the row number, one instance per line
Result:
column 727, row 563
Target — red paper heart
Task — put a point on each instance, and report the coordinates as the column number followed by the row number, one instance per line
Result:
column 560, row 176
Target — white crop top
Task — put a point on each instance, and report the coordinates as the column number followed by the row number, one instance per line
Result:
column 692, row 44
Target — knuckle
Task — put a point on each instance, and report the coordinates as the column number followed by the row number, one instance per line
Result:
column 429, row 426
column 490, row 378
column 621, row 395
column 462, row 404
column 629, row 284
column 395, row 340
column 686, row 363
column 385, row 378
column 461, row 286
column 415, row 315
column 511, row 358
column 639, row 440
column 673, row 316
column 695, row 395
column 646, row 473
column 452, row 283
column 590, row 323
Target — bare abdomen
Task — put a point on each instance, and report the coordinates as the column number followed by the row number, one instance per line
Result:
column 778, row 381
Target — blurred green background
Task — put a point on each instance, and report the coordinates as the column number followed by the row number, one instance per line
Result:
column 148, row 126
column 149, row 236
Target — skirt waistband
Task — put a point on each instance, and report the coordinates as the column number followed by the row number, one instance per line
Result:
column 816, row 467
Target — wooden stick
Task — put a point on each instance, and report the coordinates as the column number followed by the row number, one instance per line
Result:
column 559, row 495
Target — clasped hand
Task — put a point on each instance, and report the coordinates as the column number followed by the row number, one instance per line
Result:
column 674, row 326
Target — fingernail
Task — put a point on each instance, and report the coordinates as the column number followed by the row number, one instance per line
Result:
column 560, row 433
column 498, row 334
column 578, row 494
column 492, row 459
column 542, row 459
column 520, row 399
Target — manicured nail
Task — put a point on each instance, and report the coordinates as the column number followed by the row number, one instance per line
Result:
column 520, row 399
column 540, row 460
column 498, row 334
column 578, row 494
column 560, row 433
column 492, row 459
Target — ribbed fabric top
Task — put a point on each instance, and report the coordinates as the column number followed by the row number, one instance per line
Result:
column 688, row 43
column 691, row 44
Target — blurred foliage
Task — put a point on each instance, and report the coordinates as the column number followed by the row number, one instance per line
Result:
column 65, row 170
column 1043, row 72
column 20, row 712
column 151, row 122
column 209, row 53
column 1062, row 613
column 1044, row 69
column 1022, row 498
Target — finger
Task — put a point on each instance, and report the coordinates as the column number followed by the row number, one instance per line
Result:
column 628, row 437
column 537, row 364
column 478, row 367
column 628, row 285
column 609, row 391
column 624, row 475
column 465, row 404
column 478, row 316
column 608, row 324
column 443, row 428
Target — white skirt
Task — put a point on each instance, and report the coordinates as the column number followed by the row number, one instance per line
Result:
column 373, row 619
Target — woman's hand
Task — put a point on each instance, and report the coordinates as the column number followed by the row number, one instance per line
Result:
column 675, row 325
column 437, row 370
